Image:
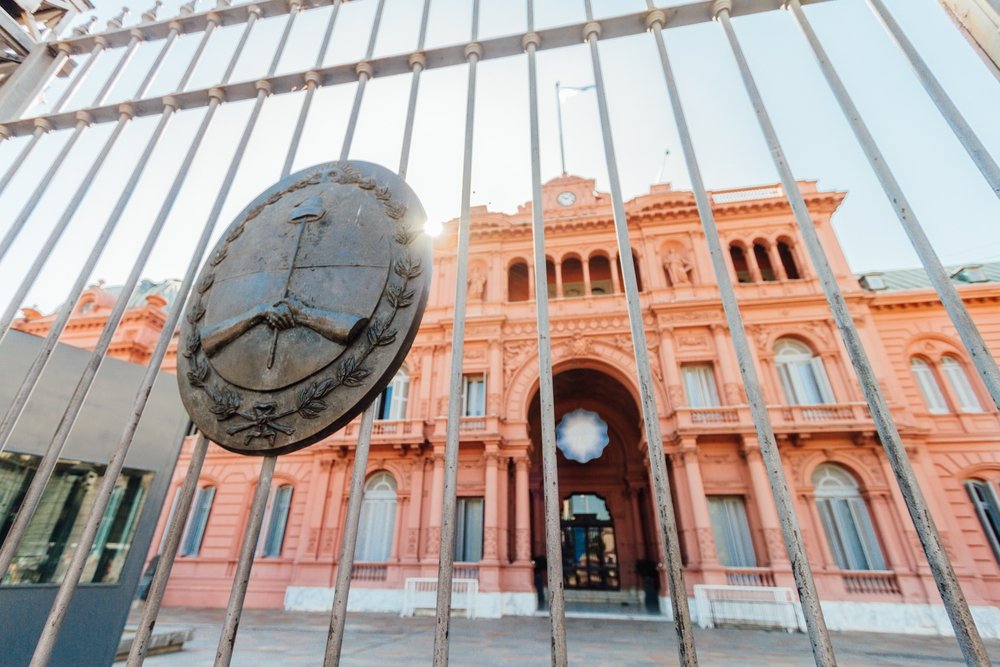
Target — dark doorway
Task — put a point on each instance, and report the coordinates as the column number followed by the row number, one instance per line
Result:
column 590, row 553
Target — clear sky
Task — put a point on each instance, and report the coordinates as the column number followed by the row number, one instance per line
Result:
column 948, row 194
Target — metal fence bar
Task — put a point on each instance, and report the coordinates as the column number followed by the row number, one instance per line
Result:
column 436, row 58
column 417, row 63
column 234, row 610
column 970, row 141
column 345, row 564
column 550, row 464
column 312, row 82
column 172, row 541
column 57, row 231
column 937, row 557
column 819, row 637
column 666, row 523
column 41, row 130
column 41, row 359
column 75, row 570
column 446, row 552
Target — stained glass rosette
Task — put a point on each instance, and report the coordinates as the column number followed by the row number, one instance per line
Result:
column 582, row 435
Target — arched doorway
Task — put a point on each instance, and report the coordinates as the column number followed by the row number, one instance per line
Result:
column 608, row 538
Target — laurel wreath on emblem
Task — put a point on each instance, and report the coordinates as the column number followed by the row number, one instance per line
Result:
column 262, row 420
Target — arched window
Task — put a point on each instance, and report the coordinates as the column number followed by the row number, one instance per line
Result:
column 275, row 521
column 572, row 277
column 195, row 531
column 518, row 282
column 635, row 265
column 984, row 498
column 378, row 519
column 392, row 401
column 929, row 387
column 788, row 261
column 803, row 377
column 763, row 258
column 962, row 389
column 740, row 265
column 845, row 518
column 600, row 275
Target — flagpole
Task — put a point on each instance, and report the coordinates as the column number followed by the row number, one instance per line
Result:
column 562, row 148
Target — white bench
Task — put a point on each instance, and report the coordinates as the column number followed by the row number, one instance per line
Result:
column 758, row 606
column 421, row 593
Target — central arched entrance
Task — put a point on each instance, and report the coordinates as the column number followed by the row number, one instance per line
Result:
column 608, row 539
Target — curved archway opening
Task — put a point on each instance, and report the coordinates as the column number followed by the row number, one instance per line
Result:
column 609, row 554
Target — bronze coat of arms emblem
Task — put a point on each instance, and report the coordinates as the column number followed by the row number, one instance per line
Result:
column 305, row 309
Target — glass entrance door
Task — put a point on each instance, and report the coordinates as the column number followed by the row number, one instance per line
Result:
column 590, row 555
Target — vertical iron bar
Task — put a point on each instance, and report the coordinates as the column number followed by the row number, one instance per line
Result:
column 417, row 63
column 224, row 654
column 937, row 557
column 446, row 553
column 973, row 146
column 157, row 588
column 819, row 636
column 82, row 123
column 42, row 256
column 72, row 577
column 666, row 524
column 550, row 465
column 978, row 351
column 73, row 86
column 364, row 71
column 312, row 82
column 345, row 564
column 41, row 359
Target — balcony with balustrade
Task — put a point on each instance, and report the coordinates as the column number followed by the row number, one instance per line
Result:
column 785, row 419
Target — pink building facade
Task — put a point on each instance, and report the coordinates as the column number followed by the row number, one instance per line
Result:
column 865, row 555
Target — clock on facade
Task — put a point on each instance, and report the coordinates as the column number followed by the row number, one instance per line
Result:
column 566, row 198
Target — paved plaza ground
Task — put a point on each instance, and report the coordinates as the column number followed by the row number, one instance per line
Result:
column 275, row 637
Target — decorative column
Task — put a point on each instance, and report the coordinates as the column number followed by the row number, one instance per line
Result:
column 319, row 480
column 779, row 268
column 671, row 370
column 331, row 529
column 616, row 283
column 522, row 512
column 503, row 502
column 494, row 384
column 699, row 503
column 766, row 511
column 559, row 284
column 490, row 525
column 437, row 500
column 732, row 393
column 412, row 536
column 586, row 276
column 751, row 258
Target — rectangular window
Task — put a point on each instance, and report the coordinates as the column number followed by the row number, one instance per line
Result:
column 731, row 531
column 51, row 536
column 699, row 385
column 474, row 395
column 469, row 530
column 202, row 507
column 984, row 499
column 275, row 522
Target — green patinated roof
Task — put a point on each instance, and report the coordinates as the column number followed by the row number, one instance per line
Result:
column 912, row 279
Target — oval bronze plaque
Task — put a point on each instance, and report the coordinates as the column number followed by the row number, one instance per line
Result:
column 305, row 309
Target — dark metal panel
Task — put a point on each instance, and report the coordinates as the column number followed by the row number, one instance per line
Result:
column 98, row 613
